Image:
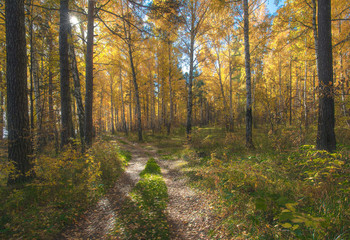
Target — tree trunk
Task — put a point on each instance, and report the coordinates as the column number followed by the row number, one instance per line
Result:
column 77, row 94
column 325, row 132
column 222, row 88
column 100, row 120
column 66, row 111
column 343, row 82
column 153, row 103
column 171, row 110
column 306, row 110
column 130, row 106
column 231, row 128
column 314, row 28
column 249, row 116
column 290, row 92
column 37, row 95
column 31, row 97
column 163, row 102
column 52, row 120
column 281, row 99
column 122, row 101
column 158, row 99
column 89, row 75
column 1, row 109
column 19, row 139
column 136, row 88
column 112, row 106
column 189, row 95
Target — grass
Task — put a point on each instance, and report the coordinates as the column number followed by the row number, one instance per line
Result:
column 143, row 213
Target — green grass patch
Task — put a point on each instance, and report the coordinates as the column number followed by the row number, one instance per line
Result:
column 122, row 142
column 143, row 214
column 125, row 155
column 151, row 168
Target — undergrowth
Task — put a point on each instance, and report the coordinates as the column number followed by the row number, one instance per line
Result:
column 143, row 214
column 282, row 189
column 273, row 192
column 65, row 185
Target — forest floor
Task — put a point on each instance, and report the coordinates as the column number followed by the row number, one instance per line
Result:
column 189, row 212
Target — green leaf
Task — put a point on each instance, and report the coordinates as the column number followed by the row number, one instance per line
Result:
column 287, row 225
column 285, row 216
column 260, row 204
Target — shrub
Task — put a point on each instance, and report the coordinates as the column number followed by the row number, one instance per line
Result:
column 64, row 187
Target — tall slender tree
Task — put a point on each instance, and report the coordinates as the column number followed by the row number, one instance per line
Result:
column 325, row 132
column 89, row 74
column 19, row 139
column 249, row 115
column 66, row 111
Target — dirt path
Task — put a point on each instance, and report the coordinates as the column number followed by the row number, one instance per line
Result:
column 189, row 212
column 98, row 221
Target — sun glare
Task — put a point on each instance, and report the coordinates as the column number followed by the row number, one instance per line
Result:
column 74, row 20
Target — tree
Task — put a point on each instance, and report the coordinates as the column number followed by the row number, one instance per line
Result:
column 325, row 132
column 197, row 12
column 19, row 139
column 66, row 111
column 77, row 93
column 89, row 74
column 249, row 116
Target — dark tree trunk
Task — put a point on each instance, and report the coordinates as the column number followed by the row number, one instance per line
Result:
column 130, row 106
column 52, row 119
column 153, row 103
column 171, row 110
column 66, row 111
column 325, row 132
column 314, row 29
column 112, row 106
column 122, row 101
column 19, row 139
column 231, row 128
column 89, row 75
column 137, row 97
column 127, row 32
column 163, row 101
column 249, row 116
column 100, row 120
column 31, row 74
column 306, row 110
column 77, row 94
column 1, row 109
column 290, row 92
column 189, row 95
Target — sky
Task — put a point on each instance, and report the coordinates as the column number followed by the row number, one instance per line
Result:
column 272, row 7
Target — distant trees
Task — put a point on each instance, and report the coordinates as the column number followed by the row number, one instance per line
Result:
column 181, row 63
column 19, row 139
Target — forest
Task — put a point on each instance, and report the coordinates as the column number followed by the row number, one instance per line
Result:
column 175, row 119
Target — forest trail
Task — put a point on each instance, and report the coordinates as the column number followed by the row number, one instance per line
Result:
column 189, row 213
column 99, row 220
